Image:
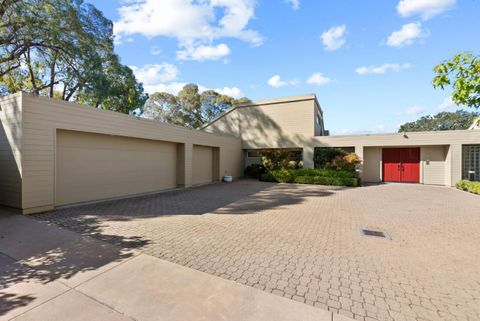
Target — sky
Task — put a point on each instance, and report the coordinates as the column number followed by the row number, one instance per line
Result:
column 369, row 62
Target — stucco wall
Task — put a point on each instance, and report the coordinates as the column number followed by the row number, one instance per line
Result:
column 11, row 151
column 43, row 116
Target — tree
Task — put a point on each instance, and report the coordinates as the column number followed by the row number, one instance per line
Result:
column 189, row 108
column 64, row 49
column 460, row 119
column 462, row 72
column 163, row 107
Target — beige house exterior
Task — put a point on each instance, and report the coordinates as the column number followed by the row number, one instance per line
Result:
column 54, row 153
column 292, row 123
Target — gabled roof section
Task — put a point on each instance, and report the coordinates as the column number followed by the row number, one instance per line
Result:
column 288, row 99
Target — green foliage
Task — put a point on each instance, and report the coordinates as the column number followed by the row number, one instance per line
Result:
column 64, row 49
column 320, row 180
column 281, row 159
column 324, row 155
column 189, row 108
column 311, row 176
column 325, row 172
column 254, row 171
column 468, row 186
column 462, row 72
column 460, row 119
column 347, row 162
column 335, row 158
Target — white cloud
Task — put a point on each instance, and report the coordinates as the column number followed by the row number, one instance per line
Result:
column 415, row 110
column 377, row 129
column 155, row 50
column 156, row 73
column 172, row 88
column 406, row 35
column 188, row 21
column 424, row 8
column 294, row 3
column 277, row 82
column 202, row 52
column 230, row 91
column 381, row 69
column 162, row 78
column 318, row 79
column 447, row 103
column 334, row 38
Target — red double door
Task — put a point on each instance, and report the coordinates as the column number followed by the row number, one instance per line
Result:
column 401, row 165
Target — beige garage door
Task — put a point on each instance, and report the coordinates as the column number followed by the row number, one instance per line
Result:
column 202, row 165
column 94, row 166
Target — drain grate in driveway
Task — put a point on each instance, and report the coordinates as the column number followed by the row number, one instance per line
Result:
column 374, row 233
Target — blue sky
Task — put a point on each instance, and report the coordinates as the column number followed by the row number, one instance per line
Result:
column 369, row 62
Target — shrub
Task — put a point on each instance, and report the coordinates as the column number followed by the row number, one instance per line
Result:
column 312, row 176
column 281, row 159
column 325, row 172
column 468, row 186
column 268, row 177
column 324, row 155
column 254, row 171
column 344, row 162
column 321, row 180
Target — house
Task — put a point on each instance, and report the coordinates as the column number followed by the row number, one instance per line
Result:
column 296, row 123
column 55, row 153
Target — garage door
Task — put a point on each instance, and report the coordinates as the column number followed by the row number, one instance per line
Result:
column 94, row 166
column 202, row 165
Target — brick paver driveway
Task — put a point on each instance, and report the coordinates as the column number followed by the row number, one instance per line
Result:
column 303, row 242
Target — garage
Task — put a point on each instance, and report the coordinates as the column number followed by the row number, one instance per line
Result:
column 401, row 165
column 93, row 166
column 203, row 164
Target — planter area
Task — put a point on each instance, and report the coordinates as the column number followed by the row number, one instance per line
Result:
column 468, row 186
column 312, row 176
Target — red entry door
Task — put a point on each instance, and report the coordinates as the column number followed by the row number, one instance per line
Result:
column 401, row 165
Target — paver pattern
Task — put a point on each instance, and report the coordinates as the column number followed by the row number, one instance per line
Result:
column 303, row 242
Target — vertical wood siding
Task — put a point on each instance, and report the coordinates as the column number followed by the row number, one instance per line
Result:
column 11, row 151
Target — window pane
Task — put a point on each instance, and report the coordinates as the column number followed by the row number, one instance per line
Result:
column 471, row 162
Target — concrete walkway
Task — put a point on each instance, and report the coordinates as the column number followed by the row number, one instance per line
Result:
column 50, row 273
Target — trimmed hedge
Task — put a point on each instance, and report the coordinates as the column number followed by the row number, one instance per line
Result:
column 254, row 171
column 324, row 173
column 468, row 186
column 312, row 176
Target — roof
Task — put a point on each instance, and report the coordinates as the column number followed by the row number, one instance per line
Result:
column 476, row 124
column 272, row 101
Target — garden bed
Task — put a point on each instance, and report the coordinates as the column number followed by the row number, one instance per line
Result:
column 312, row 176
column 468, row 186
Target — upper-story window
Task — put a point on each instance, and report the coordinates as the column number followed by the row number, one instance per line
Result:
column 319, row 120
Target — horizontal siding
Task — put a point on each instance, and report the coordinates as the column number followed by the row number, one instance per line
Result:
column 11, row 151
column 433, row 162
column 269, row 125
column 44, row 116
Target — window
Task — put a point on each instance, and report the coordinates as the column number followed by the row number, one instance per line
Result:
column 253, row 153
column 319, row 120
column 471, row 162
